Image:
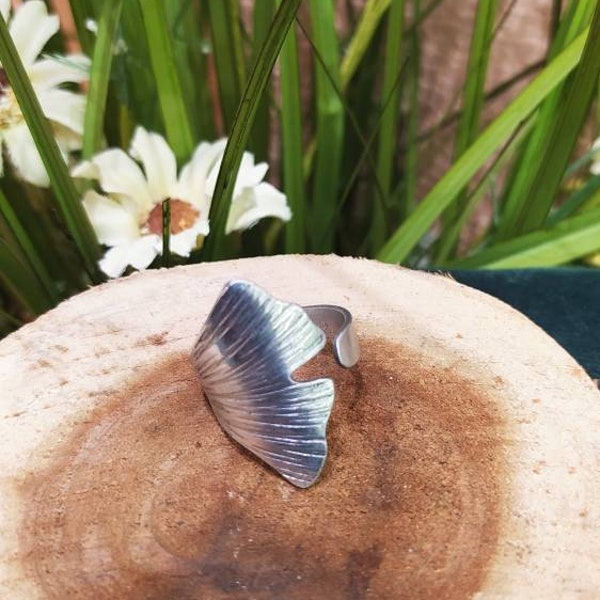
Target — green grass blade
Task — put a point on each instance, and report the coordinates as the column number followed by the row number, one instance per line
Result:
column 518, row 194
column 364, row 140
column 259, row 139
column 82, row 10
column 8, row 323
column 330, row 125
column 188, row 20
column 133, row 82
column 370, row 17
column 559, row 141
column 95, row 109
column 472, row 99
column 184, row 22
column 474, row 88
column 67, row 198
column 578, row 200
column 451, row 234
column 409, row 197
column 229, row 58
column 291, row 143
column 442, row 194
column 388, row 131
column 170, row 93
column 242, row 125
column 570, row 239
column 576, row 18
column 28, row 249
column 21, row 281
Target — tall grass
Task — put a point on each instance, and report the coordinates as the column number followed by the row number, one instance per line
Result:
column 329, row 96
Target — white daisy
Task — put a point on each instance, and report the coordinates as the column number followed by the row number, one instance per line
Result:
column 31, row 27
column 127, row 216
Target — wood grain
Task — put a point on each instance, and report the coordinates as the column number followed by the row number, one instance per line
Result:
column 463, row 450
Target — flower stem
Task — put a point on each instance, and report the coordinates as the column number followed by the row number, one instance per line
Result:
column 166, row 232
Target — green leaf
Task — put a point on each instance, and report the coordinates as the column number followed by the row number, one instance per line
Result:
column 451, row 233
column 229, row 58
column 21, row 282
column 474, row 88
column 388, row 129
column 263, row 15
column 189, row 25
column 521, row 178
column 170, row 93
column 242, row 126
column 82, row 10
column 568, row 240
column 576, row 201
column 291, row 144
column 370, row 17
column 68, row 201
column 472, row 104
column 330, row 126
column 531, row 201
column 408, row 199
column 95, row 109
column 29, row 250
column 443, row 193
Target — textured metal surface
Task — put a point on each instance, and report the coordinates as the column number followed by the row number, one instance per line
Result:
column 245, row 356
column 335, row 318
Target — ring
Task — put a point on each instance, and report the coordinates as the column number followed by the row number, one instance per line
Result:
column 248, row 349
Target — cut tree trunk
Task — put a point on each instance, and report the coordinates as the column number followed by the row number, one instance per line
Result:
column 463, row 450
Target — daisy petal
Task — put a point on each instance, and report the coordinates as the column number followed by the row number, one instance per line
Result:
column 249, row 174
column 144, row 251
column 256, row 203
column 86, row 170
column 68, row 140
column 158, row 160
column 114, row 261
column 113, row 223
column 193, row 185
column 118, row 174
column 183, row 243
column 138, row 254
column 31, row 27
column 5, row 9
column 64, row 107
column 51, row 72
column 24, row 156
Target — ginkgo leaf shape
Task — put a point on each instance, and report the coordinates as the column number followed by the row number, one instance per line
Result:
column 250, row 346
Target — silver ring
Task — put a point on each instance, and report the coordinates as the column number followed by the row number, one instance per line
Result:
column 248, row 349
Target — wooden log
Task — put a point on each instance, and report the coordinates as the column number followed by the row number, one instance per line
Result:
column 463, row 450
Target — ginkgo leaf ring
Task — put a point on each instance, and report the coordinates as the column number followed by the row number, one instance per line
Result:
column 250, row 346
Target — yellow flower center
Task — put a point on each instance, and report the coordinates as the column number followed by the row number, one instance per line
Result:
column 10, row 113
column 183, row 216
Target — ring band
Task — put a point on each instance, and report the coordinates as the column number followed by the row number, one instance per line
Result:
column 248, row 349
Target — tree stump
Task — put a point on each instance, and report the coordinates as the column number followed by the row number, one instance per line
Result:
column 463, row 454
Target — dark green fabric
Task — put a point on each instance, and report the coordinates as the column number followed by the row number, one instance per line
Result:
column 565, row 302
